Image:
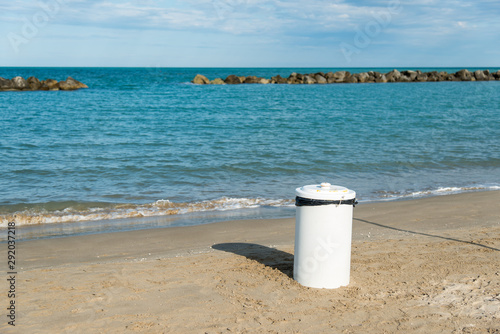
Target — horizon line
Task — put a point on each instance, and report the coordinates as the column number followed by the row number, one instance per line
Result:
column 264, row 67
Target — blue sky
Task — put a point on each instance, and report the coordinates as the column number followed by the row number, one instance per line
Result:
column 250, row 33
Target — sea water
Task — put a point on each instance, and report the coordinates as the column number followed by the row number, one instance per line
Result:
column 145, row 142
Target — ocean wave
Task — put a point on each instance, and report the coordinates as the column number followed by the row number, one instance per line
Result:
column 394, row 195
column 39, row 214
column 67, row 212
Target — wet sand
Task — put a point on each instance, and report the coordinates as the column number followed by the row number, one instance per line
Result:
column 421, row 266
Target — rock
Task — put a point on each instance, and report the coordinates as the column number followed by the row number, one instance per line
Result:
column 252, row 79
column 309, row 80
column 297, row 78
column 489, row 75
column 279, row 80
column 443, row 76
column 294, row 79
column 480, row 75
column 451, row 77
column 410, row 74
column 6, row 84
column 320, row 79
column 371, row 77
column 340, row 76
column 329, row 77
column 232, row 80
column 43, row 86
column 217, row 81
column 363, row 77
column 464, row 75
column 432, row 76
column 352, row 79
column 71, row 84
column 393, row 76
column 404, row 78
column 200, row 80
column 34, row 83
column 19, row 83
column 80, row 84
column 421, row 77
column 50, row 84
column 381, row 79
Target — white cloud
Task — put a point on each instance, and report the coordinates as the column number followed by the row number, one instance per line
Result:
column 257, row 16
column 236, row 16
column 292, row 24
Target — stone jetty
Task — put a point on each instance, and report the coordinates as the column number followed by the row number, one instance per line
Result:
column 32, row 84
column 347, row 77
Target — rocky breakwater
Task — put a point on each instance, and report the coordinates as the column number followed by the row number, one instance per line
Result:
column 347, row 77
column 33, row 84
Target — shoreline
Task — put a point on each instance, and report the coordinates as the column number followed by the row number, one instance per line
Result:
column 425, row 265
column 398, row 214
column 113, row 225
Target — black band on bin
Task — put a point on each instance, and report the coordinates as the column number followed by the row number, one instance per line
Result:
column 301, row 201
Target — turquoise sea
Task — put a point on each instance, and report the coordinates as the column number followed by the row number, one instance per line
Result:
column 143, row 147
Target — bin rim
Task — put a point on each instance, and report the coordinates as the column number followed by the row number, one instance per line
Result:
column 326, row 192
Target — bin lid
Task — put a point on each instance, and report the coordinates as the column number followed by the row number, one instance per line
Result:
column 325, row 191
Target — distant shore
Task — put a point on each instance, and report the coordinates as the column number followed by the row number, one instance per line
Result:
column 347, row 77
column 426, row 265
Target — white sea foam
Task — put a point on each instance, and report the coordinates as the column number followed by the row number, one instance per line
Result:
column 159, row 208
column 384, row 196
column 165, row 207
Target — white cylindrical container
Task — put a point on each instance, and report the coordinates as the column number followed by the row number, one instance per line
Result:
column 323, row 231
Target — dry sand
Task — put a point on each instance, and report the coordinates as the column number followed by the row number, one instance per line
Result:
column 421, row 266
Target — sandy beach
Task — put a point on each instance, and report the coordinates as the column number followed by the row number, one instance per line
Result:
column 427, row 265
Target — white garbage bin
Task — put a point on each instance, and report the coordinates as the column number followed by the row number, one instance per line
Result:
column 323, row 231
